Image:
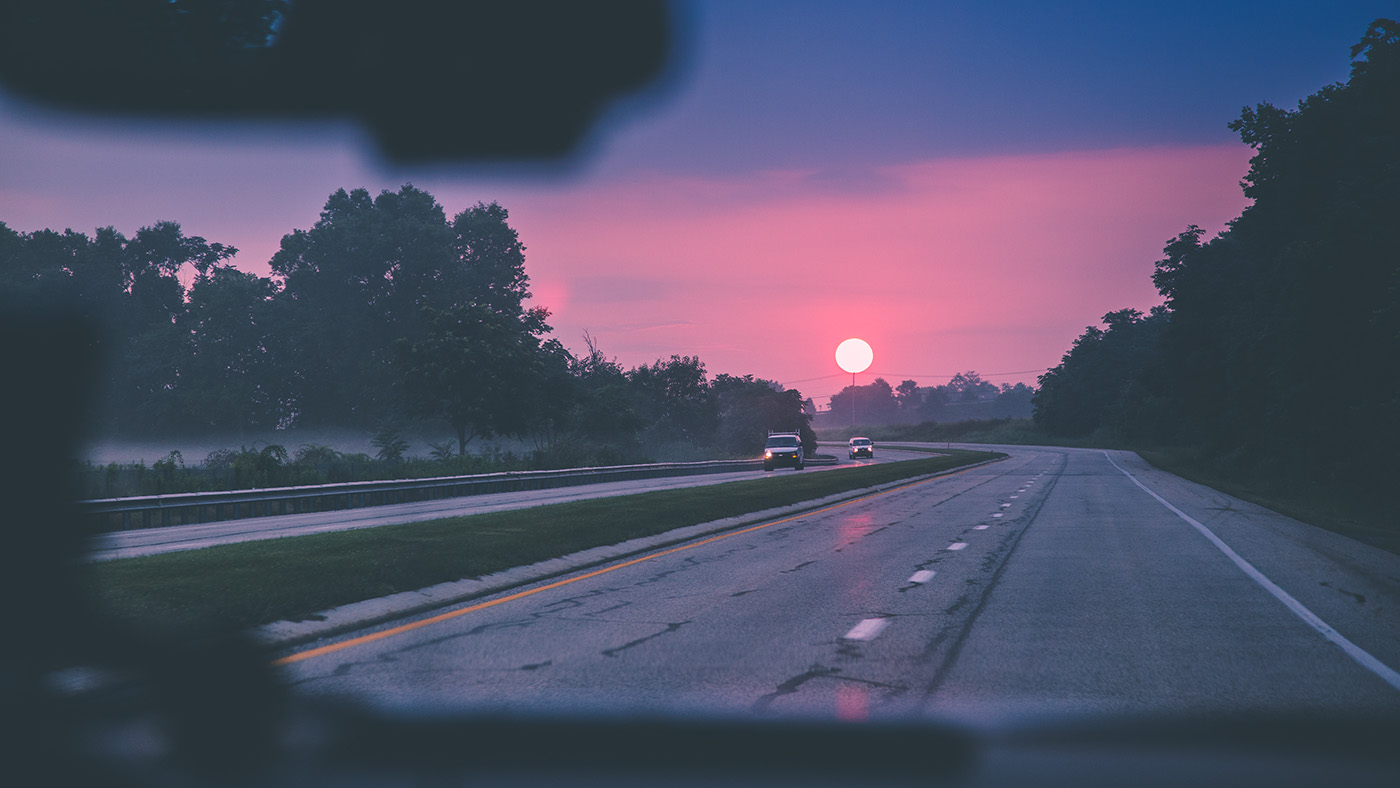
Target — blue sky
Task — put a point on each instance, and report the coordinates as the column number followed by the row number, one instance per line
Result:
column 774, row 84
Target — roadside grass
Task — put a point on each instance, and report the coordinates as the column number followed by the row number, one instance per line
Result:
column 1366, row 520
column 242, row 585
column 923, row 449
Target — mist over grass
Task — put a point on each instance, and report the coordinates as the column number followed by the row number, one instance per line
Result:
column 286, row 458
column 195, row 448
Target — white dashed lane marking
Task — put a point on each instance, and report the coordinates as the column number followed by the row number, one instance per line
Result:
column 870, row 628
column 867, row 629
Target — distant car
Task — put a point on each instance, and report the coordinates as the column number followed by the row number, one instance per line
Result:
column 861, row 447
column 783, row 448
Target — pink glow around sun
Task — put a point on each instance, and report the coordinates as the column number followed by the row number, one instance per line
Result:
column 991, row 264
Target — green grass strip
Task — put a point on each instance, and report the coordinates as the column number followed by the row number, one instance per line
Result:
column 1371, row 521
column 250, row 583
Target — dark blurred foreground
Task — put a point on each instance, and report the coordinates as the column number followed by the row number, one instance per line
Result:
column 92, row 701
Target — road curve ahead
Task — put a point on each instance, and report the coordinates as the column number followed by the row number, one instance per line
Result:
column 1059, row 580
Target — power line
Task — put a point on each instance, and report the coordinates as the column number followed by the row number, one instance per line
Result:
column 821, row 377
column 905, row 375
column 950, row 377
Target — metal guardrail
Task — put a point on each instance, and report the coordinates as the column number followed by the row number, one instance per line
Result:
column 112, row 514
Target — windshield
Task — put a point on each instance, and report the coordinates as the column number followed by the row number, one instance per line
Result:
column 487, row 431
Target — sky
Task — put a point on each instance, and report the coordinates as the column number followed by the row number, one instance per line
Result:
column 966, row 186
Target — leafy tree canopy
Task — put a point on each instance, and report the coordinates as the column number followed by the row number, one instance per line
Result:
column 1262, row 322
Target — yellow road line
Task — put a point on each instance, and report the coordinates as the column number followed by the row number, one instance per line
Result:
column 373, row 636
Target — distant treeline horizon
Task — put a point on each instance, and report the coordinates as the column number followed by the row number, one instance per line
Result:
column 967, row 397
column 382, row 316
column 387, row 316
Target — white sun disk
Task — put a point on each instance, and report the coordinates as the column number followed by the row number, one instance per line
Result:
column 854, row 355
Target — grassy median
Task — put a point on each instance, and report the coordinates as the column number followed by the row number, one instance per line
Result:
column 251, row 583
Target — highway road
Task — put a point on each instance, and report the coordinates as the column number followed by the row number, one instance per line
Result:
column 151, row 541
column 1058, row 581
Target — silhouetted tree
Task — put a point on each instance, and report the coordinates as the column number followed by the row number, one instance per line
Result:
column 970, row 387
column 358, row 280
column 1261, row 322
column 1302, row 290
column 605, row 407
column 908, row 395
column 875, row 403
column 750, row 407
column 235, row 376
column 1077, row 396
column 484, row 373
column 675, row 395
column 934, row 404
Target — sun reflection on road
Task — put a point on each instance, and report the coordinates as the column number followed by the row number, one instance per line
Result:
column 852, row 703
column 853, row 526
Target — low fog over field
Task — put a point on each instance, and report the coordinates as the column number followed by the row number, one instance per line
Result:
column 195, row 449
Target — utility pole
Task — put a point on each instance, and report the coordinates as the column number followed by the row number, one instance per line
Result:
column 853, row 399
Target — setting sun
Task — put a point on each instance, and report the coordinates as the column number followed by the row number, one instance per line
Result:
column 854, row 355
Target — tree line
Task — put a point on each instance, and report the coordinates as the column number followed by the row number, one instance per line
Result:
column 384, row 312
column 1277, row 348
column 965, row 397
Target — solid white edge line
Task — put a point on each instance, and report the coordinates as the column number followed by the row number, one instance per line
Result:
column 867, row 629
column 1363, row 657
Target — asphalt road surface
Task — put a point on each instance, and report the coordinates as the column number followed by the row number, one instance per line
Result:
column 1056, row 581
column 150, row 541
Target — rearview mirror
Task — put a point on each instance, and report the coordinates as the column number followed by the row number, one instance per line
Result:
column 432, row 80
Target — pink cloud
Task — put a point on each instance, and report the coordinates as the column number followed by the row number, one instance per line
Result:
column 993, row 264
